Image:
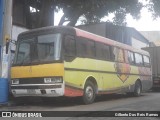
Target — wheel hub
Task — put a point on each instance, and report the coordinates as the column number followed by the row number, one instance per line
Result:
column 89, row 92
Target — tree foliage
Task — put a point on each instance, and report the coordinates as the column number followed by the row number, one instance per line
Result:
column 93, row 10
column 154, row 8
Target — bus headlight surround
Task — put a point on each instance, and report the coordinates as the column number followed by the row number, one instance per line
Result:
column 53, row 80
column 15, row 81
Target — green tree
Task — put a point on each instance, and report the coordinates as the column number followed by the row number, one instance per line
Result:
column 154, row 7
column 94, row 10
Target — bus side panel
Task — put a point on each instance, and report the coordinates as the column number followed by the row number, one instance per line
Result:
column 76, row 74
column 146, row 78
column 108, row 81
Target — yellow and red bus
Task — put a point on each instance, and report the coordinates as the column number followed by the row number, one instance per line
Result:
column 66, row 61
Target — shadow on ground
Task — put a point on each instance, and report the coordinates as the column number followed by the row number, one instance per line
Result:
column 62, row 101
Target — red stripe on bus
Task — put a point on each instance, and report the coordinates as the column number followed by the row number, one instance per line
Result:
column 94, row 37
column 71, row 92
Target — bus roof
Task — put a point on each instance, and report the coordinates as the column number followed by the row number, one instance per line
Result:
column 81, row 33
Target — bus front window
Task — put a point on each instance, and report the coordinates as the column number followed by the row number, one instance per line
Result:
column 48, row 47
column 40, row 49
column 24, row 51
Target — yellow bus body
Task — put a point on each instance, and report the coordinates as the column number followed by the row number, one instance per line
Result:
column 44, row 70
column 107, row 76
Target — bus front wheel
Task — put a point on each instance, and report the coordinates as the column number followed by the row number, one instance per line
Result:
column 89, row 93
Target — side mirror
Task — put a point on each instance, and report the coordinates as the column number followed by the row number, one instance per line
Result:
column 8, row 43
column 7, row 46
column 13, row 42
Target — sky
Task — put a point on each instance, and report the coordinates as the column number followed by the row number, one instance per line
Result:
column 145, row 23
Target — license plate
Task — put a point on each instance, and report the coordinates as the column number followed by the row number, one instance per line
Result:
column 31, row 91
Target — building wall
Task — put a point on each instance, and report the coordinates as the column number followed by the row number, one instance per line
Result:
column 16, row 30
column 95, row 28
column 138, row 44
column 122, row 34
column 151, row 35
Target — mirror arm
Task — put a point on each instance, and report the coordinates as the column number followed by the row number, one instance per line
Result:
column 8, row 41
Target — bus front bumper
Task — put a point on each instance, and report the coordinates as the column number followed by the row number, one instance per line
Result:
column 47, row 90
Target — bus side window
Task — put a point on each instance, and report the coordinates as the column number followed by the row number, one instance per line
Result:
column 85, row 48
column 102, row 51
column 146, row 61
column 69, row 46
column 131, row 59
column 119, row 54
column 112, row 55
column 91, row 49
column 138, row 59
column 81, row 47
column 126, row 56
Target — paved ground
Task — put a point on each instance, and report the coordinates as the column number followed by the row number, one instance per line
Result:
column 147, row 102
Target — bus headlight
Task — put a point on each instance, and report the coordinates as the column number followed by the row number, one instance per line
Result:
column 15, row 81
column 53, row 80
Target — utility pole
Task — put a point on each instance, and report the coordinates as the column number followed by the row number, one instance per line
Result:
column 6, row 29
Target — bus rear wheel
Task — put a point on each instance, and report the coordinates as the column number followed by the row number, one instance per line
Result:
column 89, row 93
column 137, row 89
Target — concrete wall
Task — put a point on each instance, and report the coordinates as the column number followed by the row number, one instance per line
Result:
column 99, row 29
column 15, row 31
column 125, row 35
column 151, row 35
column 138, row 44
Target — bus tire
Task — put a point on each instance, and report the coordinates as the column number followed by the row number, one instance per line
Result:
column 89, row 93
column 137, row 89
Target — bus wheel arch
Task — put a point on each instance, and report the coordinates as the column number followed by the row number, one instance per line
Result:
column 90, row 90
column 137, row 88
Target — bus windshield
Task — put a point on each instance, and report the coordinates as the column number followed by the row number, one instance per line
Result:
column 39, row 49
